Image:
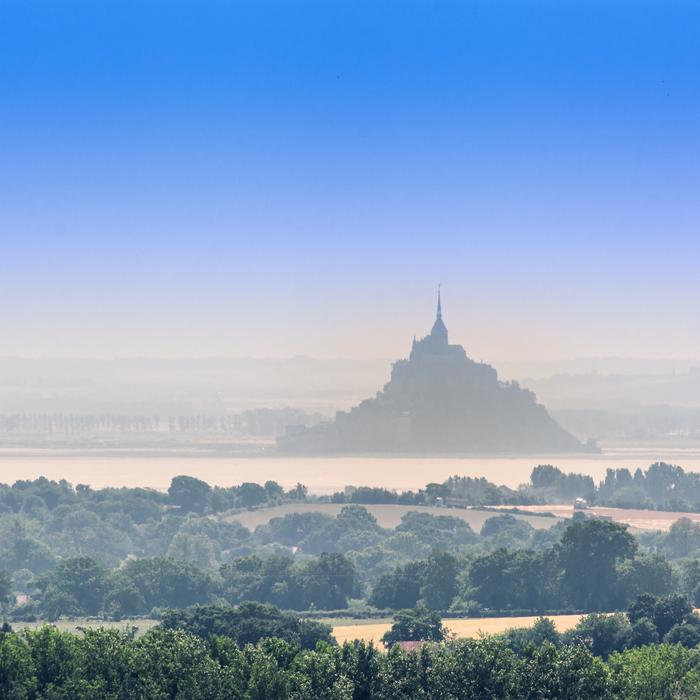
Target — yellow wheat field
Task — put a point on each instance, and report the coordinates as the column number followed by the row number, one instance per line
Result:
column 473, row 627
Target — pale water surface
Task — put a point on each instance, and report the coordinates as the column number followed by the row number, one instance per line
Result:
column 320, row 474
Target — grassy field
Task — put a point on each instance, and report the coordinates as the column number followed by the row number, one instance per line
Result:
column 372, row 630
column 387, row 515
column 636, row 518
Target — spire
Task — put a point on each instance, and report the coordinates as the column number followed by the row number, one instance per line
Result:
column 439, row 332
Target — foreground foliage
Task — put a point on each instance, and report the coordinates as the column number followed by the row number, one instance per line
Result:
column 248, row 623
column 169, row 663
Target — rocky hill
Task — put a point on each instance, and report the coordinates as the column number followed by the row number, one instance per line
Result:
column 439, row 401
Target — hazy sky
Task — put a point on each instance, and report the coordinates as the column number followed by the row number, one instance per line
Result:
column 286, row 178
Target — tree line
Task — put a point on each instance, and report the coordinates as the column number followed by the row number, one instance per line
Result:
column 595, row 565
column 662, row 486
column 173, row 663
column 258, row 421
column 80, row 586
column 151, row 550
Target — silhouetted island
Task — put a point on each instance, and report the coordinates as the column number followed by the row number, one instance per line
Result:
column 439, row 401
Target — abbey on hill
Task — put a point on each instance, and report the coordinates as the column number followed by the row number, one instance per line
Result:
column 439, row 401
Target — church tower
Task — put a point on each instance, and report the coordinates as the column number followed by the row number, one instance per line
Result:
column 436, row 342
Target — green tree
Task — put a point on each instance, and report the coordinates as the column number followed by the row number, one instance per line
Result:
column 439, row 583
column 685, row 633
column 664, row 612
column 327, row 582
column 415, row 625
column 56, row 603
column 319, row 675
column 660, row 672
column 6, row 596
column 298, row 493
column 439, row 531
column 247, row 623
column 107, row 661
column 521, row 639
column 292, row 528
column 361, row 663
column 250, row 494
column 642, row 607
column 683, row 538
column 647, row 573
column 164, row 582
column 506, row 530
column 568, row 673
column 602, row 634
column 690, row 579
column 274, row 491
column 81, row 580
column 196, row 549
column 589, row 552
column 672, row 610
column 518, row 579
column 399, row 588
column 402, row 676
column 124, row 600
column 484, row 668
column 57, row 659
column 28, row 553
column 173, row 664
column 643, row 632
column 18, row 679
column 263, row 580
column 265, row 676
column 190, row 494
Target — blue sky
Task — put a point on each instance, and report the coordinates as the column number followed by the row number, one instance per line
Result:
column 280, row 178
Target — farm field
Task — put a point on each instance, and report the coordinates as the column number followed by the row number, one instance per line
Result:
column 343, row 629
column 388, row 516
column 639, row 519
column 372, row 631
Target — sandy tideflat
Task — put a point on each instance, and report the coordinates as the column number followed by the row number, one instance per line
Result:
column 320, row 474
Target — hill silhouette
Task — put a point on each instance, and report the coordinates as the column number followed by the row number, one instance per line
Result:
column 439, row 401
